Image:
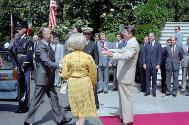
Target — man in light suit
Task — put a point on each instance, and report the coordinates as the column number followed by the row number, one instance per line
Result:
column 126, row 68
column 103, row 65
column 151, row 63
column 172, row 66
column 59, row 54
column 116, row 45
column 91, row 49
column 44, row 79
column 178, row 35
column 185, row 66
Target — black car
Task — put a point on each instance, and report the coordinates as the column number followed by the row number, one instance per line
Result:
column 12, row 80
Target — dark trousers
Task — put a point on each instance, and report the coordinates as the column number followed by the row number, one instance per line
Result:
column 39, row 94
column 26, row 102
column 115, row 83
column 151, row 73
column 96, row 97
column 142, row 79
column 163, row 79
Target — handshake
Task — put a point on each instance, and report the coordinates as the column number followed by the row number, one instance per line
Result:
column 60, row 67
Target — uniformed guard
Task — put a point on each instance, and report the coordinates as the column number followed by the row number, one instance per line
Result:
column 23, row 49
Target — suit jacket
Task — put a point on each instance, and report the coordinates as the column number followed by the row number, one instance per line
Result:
column 45, row 64
column 152, row 56
column 185, row 61
column 92, row 49
column 173, row 61
column 104, row 60
column 164, row 56
column 114, row 46
column 127, row 60
column 179, row 37
column 59, row 52
column 141, row 53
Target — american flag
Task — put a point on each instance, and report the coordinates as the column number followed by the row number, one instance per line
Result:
column 53, row 13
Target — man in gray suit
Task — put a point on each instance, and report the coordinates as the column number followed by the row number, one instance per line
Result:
column 103, row 65
column 172, row 66
column 44, row 79
column 185, row 66
column 116, row 45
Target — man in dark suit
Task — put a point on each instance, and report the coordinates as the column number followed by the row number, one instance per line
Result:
column 91, row 49
column 44, row 79
column 140, row 61
column 162, row 67
column 172, row 66
column 151, row 63
column 23, row 49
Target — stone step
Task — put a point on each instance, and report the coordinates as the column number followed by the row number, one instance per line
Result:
column 181, row 24
column 167, row 37
column 172, row 28
column 172, row 32
column 177, row 22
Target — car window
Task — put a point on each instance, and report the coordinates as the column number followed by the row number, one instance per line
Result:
column 6, row 61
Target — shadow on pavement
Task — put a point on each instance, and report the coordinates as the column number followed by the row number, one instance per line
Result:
column 8, row 107
column 49, row 116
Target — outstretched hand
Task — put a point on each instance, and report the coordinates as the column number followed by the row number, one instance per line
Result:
column 106, row 52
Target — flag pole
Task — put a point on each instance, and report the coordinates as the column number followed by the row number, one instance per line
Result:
column 11, row 25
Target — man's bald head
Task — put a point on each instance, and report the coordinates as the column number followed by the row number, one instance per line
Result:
column 45, row 33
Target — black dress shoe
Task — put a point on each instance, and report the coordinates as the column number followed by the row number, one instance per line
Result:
column 174, row 95
column 142, row 90
column 105, row 92
column 65, row 120
column 114, row 89
column 167, row 94
column 22, row 110
column 147, row 94
column 25, row 123
column 97, row 107
column 99, row 92
column 67, row 108
column 154, row 95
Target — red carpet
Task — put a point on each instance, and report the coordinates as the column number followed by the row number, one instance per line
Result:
column 175, row 118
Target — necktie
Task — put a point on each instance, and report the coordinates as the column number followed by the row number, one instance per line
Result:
column 125, row 43
column 150, row 44
column 103, row 45
column 55, row 48
column 173, row 50
column 188, row 49
column 151, row 47
column 117, row 44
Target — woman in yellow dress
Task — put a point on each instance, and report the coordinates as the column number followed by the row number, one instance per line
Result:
column 80, row 71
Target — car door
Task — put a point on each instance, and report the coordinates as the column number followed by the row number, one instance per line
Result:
column 12, row 81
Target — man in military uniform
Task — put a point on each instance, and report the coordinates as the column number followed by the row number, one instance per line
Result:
column 23, row 49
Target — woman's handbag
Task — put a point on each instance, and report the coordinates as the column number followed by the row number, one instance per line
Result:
column 63, row 87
